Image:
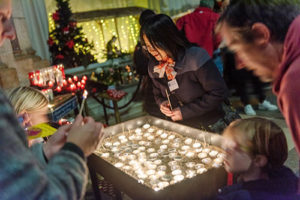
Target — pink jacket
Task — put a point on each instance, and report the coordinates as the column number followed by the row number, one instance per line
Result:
column 287, row 83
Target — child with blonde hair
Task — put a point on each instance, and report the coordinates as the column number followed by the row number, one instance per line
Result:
column 256, row 150
column 30, row 104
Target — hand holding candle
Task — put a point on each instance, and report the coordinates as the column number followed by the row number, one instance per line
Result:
column 84, row 96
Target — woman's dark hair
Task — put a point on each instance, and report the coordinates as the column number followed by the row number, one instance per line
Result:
column 144, row 15
column 162, row 33
column 277, row 15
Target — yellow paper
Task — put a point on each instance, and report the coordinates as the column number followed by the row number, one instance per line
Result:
column 40, row 130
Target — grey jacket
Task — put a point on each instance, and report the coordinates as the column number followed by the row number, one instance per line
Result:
column 201, row 87
column 24, row 174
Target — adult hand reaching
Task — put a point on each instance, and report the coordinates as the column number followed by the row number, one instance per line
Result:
column 56, row 141
column 85, row 133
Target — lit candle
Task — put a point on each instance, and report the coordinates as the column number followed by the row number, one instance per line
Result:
column 146, row 126
column 116, row 143
column 199, row 166
column 78, row 85
column 153, row 155
column 171, row 137
column 65, row 83
column 159, row 132
column 142, row 148
column 105, row 155
column 166, row 141
column 138, row 130
column 196, row 145
column 164, row 135
column 75, row 78
column 190, row 154
column 84, row 96
column 131, row 157
column 119, row 165
column 161, row 173
column 151, row 137
column 202, row 155
column 177, row 158
column 84, row 78
column 176, row 172
column 176, row 145
column 178, row 178
column 190, row 173
column 206, row 160
column 213, row 153
column 150, row 150
column 146, row 135
column 206, row 150
column 201, row 170
column 172, row 150
column 162, row 168
column 190, row 164
column 172, row 155
column 185, row 147
column 70, row 80
column 58, row 89
column 108, row 144
column 157, row 162
column 142, row 143
column 50, row 84
column 83, row 82
column 163, row 146
column 150, row 172
column 151, row 130
column 127, row 167
column 188, row 141
column 136, row 151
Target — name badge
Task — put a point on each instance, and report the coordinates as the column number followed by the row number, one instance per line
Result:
column 173, row 85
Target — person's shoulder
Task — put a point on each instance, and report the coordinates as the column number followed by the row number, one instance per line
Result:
column 198, row 55
column 234, row 192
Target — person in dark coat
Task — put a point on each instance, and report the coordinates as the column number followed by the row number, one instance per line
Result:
column 256, row 150
column 183, row 73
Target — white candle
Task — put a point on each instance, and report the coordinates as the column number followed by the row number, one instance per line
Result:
column 105, row 155
column 157, row 162
column 166, row 141
column 164, row 135
column 176, row 145
column 196, row 145
column 119, row 164
column 146, row 126
column 161, row 173
column 150, row 172
column 153, row 155
column 185, row 147
column 202, row 155
column 108, row 144
column 127, row 167
column 190, row 173
column 138, row 130
column 159, row 132
column 142, row 143
column 213, row 153
column 190, row 164
column 122, row 137
column 190, row 154
column 141, row 148
column 146, row 135
column 163, row 146
column 201, row 170
column 136, row 151
column 116, row 143
column 150, row 150
column 206, row 150
column 199, row 166
column 171, row 137
column 151, row 137
column 178, row 178
column 163, row 184
column 172, row 155
column 151, row 130
column 176, row 172
column 162, row 168
column 188, row 141
column 206, row 160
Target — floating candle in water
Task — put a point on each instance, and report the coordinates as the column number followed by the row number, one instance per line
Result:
column 162, row 168
column 199, row 166
column 119, row 164
column 146, row 126
column 108, row 144
column 138, row 130
column 196, row 145
column 202, row 155
column 151, row 137
column 206, row 160
column 206, row 150
column 150, row 172
column 153, row 155
column 150, row 150
column 188, row 141
column 201, row 170
column 185, row 147
column 176, row 145
column 190, row 173
column 176, row 172
column 116, row 143
column 213, row 153
column 178, row 178
column 190, row 154
column 157, row 162
column 172, row 155
column 190, row 164
column 171, row 137
column 122, row 137
column 164, row 135
column 166, row 141
column 127, row 167
column 105, row 155
column 141, row 148
column 151, row 130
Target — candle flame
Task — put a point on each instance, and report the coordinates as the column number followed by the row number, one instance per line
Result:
column 85, row 93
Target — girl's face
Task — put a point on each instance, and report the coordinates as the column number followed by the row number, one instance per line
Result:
column 157, row 53
column 236, row 160
column 38, row 117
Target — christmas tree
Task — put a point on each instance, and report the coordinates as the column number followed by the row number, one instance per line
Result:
column 67, row 42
